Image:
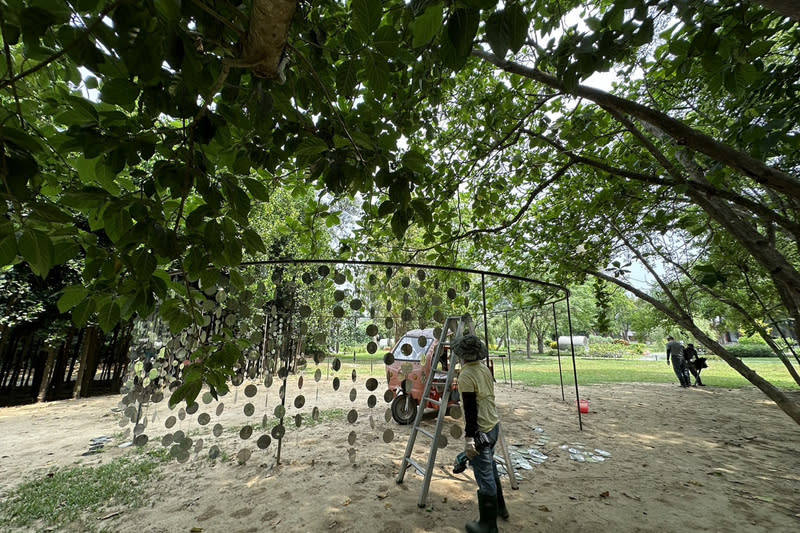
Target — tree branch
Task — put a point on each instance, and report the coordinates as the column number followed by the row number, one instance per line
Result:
column 678, row 131
column 508, row 223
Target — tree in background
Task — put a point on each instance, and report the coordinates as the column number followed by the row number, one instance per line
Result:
column 602, row 319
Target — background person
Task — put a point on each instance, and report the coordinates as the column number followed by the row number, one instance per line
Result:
column 694, row 363
column 675, row 350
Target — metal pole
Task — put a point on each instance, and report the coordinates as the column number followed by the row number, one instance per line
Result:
column 508, row 347
column 574, row 368
column 485, row 320
column 558, row 353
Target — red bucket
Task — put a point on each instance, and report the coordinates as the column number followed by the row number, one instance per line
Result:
column 583, row 405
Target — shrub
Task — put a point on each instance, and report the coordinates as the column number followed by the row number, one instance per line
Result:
column 751, row 340
column 750, row 350
column 606, row 349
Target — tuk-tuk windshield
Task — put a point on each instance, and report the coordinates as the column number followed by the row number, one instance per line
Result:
column 409, row 348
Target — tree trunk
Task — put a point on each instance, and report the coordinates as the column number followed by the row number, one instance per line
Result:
column 263, row 46
column 44, row 385
column 87, row 365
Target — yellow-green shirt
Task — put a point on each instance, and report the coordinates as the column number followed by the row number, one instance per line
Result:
column 476, row 377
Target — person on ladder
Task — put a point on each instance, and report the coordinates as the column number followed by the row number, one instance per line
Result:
column 482, row 427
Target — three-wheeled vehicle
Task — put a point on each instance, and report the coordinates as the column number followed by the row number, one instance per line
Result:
column 408, row 372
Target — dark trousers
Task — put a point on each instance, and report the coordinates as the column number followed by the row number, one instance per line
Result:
column 484, row 467
column 681, row 370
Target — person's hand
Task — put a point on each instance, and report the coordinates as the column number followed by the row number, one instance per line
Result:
column 469, row 448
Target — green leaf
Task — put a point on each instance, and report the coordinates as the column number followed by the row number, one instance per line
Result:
column 116, row 222
column 37, row 249
column 106, row 176
column 378, row 76
column 645, row 33
column 497, row 34
column 311, row 146
column 257, row 189
column 71, row 296
column 427, row 26
column 169, row 10
column 399, row 224
column 8, row 249
column 119, row 91
column 516, row 22
column 237, row 280
column 387, row 41
column 49, row 213
column 679, row 47
column 362, row 139
column 21, row 139
column 347, row 78
column 462, row 26
column 252, row 241
column 82, row 312
column 415, row 161
column 366, row 16
column 332, row 220
column 144, row 264
column 108, row 315
column 64, row 250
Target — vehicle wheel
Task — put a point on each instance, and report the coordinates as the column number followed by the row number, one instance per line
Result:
column 404, row 409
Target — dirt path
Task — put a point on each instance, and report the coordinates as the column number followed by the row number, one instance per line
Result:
column 673, row 460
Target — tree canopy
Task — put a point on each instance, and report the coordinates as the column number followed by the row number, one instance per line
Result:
column 137, row 138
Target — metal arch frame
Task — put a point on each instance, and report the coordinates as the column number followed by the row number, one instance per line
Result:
column 482, row 274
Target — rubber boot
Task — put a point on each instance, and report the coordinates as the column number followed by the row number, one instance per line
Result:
column 502, row 510
column 487, row 505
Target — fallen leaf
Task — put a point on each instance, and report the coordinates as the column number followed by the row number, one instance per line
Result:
column 544, row 509
column 604, row 494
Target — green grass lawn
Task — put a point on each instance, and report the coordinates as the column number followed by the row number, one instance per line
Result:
column 543, row 370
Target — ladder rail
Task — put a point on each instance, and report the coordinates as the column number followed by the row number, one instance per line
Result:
column 421, row 407
column 456, row 326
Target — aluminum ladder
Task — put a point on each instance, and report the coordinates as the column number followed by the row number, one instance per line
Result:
column 453, row 327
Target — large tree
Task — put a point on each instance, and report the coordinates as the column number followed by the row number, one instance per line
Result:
column 157, row 125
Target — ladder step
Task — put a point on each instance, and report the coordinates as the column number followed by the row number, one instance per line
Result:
column 435, row 402
column 415, row 464
column 425, row 432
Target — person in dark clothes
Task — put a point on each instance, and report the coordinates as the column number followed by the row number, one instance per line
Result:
column 694, row 363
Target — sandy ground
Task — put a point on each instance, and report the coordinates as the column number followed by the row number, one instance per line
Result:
column 673, row 460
